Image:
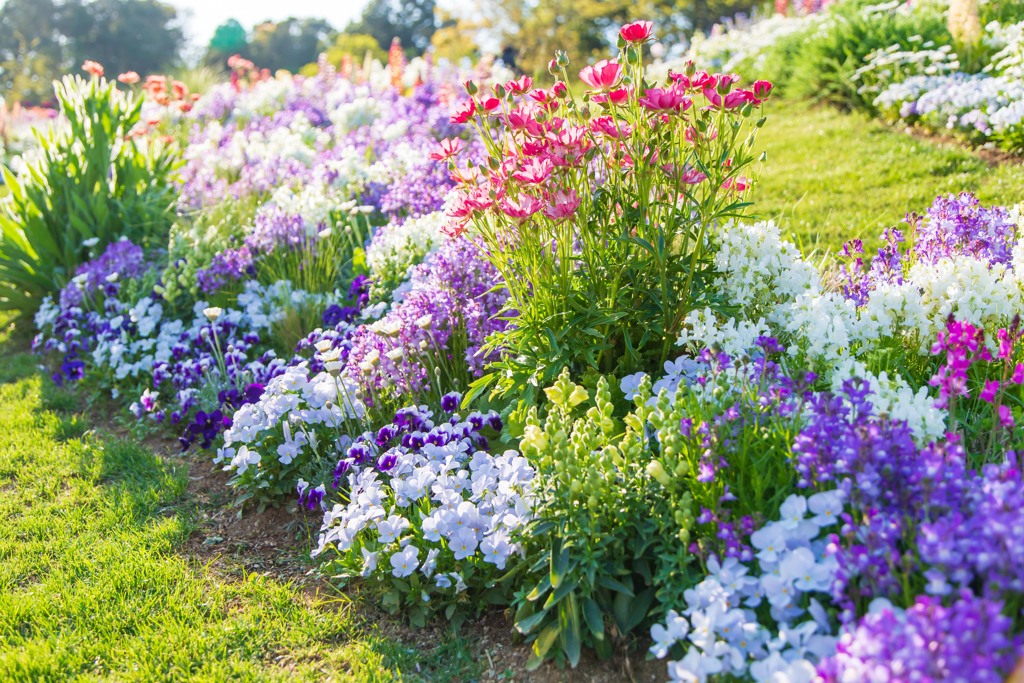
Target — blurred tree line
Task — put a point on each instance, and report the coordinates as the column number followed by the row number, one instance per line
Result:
column 42, row 39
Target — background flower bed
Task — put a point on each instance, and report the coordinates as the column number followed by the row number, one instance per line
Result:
column 676, row 492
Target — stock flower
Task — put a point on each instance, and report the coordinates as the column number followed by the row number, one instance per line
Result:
column 637, row 32
column 603, row 75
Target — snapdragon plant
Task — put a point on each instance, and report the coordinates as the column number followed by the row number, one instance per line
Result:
column 600, row 211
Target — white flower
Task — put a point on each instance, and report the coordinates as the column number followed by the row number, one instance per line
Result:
column 244, row 459
column 826, row 506
column 463, row 543
column 405, row 562
column 664, row 637
column 369, row 562
column 213, row 312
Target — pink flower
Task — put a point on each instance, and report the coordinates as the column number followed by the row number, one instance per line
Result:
column 1018, row 374
column 713, row 98
column 762, row 89
column 449, row 147
column 637, row 32
column 603, row 75
column 606, row 125
column 693, row 177
column 617, row 96
column 92, row 68
column 738, row 184
column 562, row 205
column 664, row 99
column 534, row 171
column 520, row 86
column 738, row 98
column 465, row 112
column 1005, row 417
column 988, row 393
column 128, row 78
column 524, row 208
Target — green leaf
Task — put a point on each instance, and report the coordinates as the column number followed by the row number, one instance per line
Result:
column 559, row 562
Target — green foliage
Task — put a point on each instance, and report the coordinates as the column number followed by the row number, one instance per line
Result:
column 356, row 46
column 91, row 181
column 42, row 39
column 589, row 577
column 823, row 59
column 228, row 39
column 288, row 44
column 411, row 21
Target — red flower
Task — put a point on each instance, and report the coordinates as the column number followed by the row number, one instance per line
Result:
column 489, row 104
column 95, row 69
column 762, row 89
column 637, row 32
column 128, row 78
column 603, row 75
column 449, row 147
column 465, row 112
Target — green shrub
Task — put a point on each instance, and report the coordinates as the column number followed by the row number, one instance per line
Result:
column 91, row 182
column 824, row 60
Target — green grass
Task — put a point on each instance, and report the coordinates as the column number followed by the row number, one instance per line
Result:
column 94, row 586
column 831, row 176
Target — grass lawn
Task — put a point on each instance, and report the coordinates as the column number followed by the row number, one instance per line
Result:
column 94, row 584
column 832, row 176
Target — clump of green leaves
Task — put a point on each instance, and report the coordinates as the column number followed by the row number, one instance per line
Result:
column 92, row 181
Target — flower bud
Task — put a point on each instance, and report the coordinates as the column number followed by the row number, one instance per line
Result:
column 657, row 472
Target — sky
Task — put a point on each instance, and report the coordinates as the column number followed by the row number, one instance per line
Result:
column 202, row 17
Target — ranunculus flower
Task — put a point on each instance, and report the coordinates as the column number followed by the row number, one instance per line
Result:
column 637, row 32
column 738, row 98
column 603, row 75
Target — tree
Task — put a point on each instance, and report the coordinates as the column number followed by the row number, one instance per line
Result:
column 123, row 35
column 411, row 21
column 42, row 39
column 288, row 44
column 30, row 49
column 230, row 38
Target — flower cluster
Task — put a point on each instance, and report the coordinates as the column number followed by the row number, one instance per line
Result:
column 762, row 620
column 426, row 510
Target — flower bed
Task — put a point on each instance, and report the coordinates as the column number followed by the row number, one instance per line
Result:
column 528, row 348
